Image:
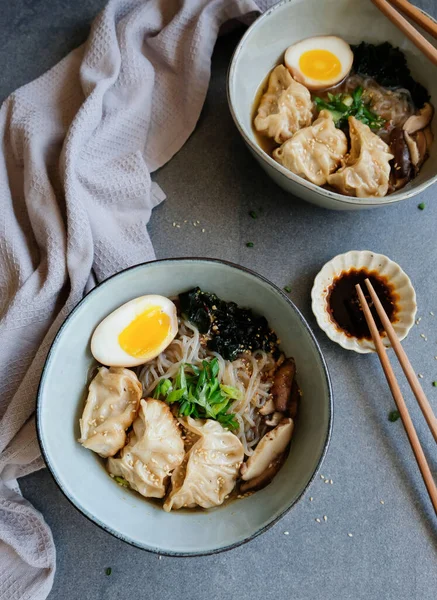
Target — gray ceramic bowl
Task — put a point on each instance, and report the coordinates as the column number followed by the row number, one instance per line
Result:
column 262, row 47
column 81, row 475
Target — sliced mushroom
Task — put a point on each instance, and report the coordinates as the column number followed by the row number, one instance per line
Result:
column 401, row 162
column 268, row 449
column 412, row 148
column 275, row 419
column 422, row 146
column 421, row 120
column 260, row 482
column 293, row 403
column 282, row 384
column 428, row 136
column 268, row 408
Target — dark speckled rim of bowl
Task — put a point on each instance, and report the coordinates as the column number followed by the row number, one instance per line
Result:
column 334, row 196
column 95, row 519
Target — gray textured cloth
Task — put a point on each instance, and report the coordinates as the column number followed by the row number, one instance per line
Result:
column 78, row 147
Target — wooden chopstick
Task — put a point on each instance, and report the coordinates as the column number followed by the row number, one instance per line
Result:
column 404, row 362
column 400, row 402
column 401, row 23
column 416, row 15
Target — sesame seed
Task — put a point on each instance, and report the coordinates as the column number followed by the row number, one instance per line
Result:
column 382, row 501
column 418, row 320
column 203, row 230
column 311, row 499
column 420, row 375
column 322, row 477
column 431, row 313
column 178, row 226
column 326, row 480
column 286, row 533
column 331, row 482
column 325, row 518
column 159, row 557
column 318, row 520
column 174, row 224
column 422, row 335
column 350, row 535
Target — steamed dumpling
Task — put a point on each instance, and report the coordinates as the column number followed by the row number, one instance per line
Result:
column 285, row 107
column 113, row 398
column 154, row 449
column 315, row 151
column 366, row 170
column 209, row 471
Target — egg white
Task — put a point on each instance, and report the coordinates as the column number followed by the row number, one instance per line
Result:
column 105, row 346
column 332, row 43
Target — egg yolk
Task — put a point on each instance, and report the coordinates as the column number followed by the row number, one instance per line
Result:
column 320, row 65
column 146, row 332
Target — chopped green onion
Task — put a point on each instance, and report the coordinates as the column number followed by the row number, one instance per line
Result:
column 421, row 206
column 250, row 244
column 108, row 571
column 287, row 288
column 253, row 214
column 434, row 383
column 343, row 106
column 162, row 389
column 394, row 416
column 121, row 481
column 200, row 395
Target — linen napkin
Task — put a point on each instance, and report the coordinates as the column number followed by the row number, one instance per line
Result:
column 77, row 149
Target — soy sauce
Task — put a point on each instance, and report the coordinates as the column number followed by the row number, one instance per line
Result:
column 344, row 305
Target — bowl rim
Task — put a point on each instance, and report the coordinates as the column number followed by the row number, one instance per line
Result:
column 94, row 519
column 268, row 160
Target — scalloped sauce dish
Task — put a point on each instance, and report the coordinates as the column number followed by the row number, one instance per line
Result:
column 336, row 306
column 345, row 308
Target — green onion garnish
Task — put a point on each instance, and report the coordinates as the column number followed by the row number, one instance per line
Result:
column 393, row 416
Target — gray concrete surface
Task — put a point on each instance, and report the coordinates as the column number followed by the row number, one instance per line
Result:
column 392, row 554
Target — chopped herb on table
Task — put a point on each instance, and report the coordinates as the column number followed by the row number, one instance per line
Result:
column 287, row 288
column 108, row 571
column 434, row 383
column 343, row 106
column 394, row 416
column 200, row 394
column 249, row 244
column 421, row 206
column 253, row 214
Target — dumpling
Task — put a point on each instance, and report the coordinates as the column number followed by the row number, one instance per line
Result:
column 366, row 170
column 113, row 398
column 315, row 151
column 285, row 107
column 209, row 471
column 154, row 449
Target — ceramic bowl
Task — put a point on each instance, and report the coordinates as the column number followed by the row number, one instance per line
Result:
column 81, row 474
column 371, row 261
column 262, row 47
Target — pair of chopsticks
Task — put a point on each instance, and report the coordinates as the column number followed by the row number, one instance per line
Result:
column 394, row 386
column 405, row 26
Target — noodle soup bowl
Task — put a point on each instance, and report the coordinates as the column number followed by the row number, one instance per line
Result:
column 81, row 474
column 262, row 48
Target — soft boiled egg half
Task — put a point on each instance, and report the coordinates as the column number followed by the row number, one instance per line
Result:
column 319, row 62
column 136, row 332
